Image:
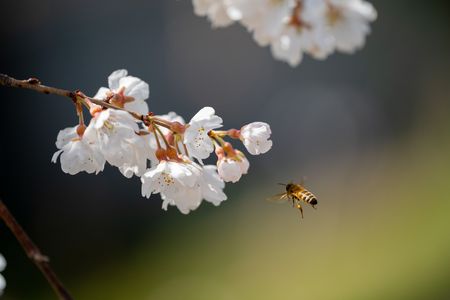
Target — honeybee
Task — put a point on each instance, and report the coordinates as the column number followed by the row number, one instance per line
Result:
column 297, row 193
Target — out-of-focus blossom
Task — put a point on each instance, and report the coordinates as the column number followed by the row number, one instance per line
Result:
column 348, row 22
column 294, row 27
column 215, row 11
column 2, row 279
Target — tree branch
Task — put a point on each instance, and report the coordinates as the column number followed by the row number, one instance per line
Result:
column 33, row 252
column 35, row 85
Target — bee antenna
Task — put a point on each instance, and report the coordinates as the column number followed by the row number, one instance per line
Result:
column 282, row 184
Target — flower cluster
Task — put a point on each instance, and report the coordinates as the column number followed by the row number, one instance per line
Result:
column 292, row 27
column 163, row 150
column 2, row 279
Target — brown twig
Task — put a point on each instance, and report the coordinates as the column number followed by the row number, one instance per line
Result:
column 35, row 85
column 33, row 252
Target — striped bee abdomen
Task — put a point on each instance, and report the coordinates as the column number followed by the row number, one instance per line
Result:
column 308, row 197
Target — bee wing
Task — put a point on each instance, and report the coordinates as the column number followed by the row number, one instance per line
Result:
column 303, row 180
column 277, row 197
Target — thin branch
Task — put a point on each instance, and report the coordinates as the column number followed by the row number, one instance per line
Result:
column 35, row 85
column 33, row 252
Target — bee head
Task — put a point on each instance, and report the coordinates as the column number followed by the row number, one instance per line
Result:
column 289, row 187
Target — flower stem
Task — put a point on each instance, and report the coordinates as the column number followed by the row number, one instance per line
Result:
column 176, row 141
column 186, row 150
column 162, row 135
column 216, row 137
column 161, row 122
column 158, row 143
column 80, row 114
column 220, row 132
column 33, row 252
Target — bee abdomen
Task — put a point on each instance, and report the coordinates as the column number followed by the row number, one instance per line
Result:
column 309, row 198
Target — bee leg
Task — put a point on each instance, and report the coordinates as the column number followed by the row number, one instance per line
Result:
column 300, row 208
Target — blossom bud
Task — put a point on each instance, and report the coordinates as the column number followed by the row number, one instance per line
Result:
column 95, row 109
column 160, row 154
column 234, row 133
column 170, row 138
column 81, row 129
column 228, row 148
column 172, row 153
column 177, row 127
column 220, row 152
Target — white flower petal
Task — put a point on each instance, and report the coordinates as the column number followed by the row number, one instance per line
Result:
column 114, row 78
column 65, row 136
column 135, row 87
column 212, row 185
column 2, row 284
column 2, row 262
column 196, row 137
column 140, row 107
column 77, row 155
column 101, row 93
column 203, row 114
column 256, row 137
column 229, row 170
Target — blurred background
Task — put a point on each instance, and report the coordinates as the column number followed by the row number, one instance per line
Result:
column 369, row 131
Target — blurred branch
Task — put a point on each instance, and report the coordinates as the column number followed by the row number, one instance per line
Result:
column 33, row 252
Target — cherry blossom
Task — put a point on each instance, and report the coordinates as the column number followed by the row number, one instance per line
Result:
column 77, row 154
column 255, row 137
column 139, row 150
column 168, row 177
column 212, row 185
column 232, row 168
column 294, row 27
column 190, row 196
column 176, row 182
column 115, row 133
column 196, row 136
column 348, row 22
column 125, row 91
column 160, row 149
column 184, row 185
column 216, row 11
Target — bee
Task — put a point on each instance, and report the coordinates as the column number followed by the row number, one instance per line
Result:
column 297, row 193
